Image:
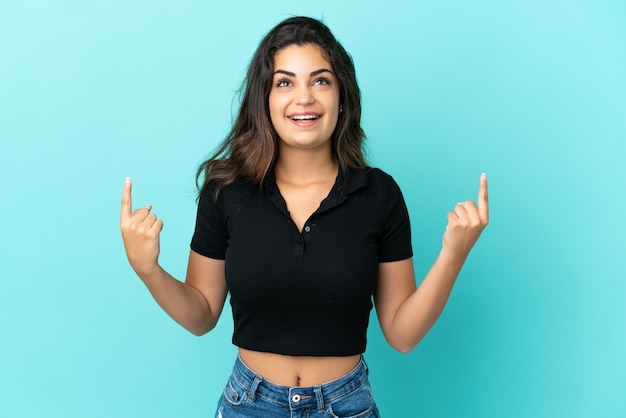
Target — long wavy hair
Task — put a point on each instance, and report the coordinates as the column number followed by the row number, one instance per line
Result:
column 251, row 147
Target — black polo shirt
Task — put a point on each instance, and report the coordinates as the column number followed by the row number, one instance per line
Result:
column 304, row 292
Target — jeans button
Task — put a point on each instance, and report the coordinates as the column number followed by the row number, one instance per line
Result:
column 295, row 398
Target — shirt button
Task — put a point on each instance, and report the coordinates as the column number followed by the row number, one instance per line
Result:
column 295, row 398
column 307, row 229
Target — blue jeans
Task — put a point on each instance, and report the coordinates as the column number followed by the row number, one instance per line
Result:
column 249, row 395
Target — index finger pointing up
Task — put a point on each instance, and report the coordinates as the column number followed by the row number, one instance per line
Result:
column 483, row 199
column 127, row 200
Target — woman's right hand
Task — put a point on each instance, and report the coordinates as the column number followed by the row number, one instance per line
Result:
column 140, row 231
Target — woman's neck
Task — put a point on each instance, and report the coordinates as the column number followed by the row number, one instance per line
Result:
column 304, row 167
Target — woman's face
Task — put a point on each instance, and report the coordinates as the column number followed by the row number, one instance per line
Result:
column 304, row 99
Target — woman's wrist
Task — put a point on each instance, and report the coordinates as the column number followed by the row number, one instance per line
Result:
column 149, row 274
column 452, row 258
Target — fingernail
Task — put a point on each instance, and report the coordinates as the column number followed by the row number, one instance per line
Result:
column 483, row 175
column 127, row 180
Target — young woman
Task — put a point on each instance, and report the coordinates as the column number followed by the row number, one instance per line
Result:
column 302, row 234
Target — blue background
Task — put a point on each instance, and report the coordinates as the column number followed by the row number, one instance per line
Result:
column 531, row 92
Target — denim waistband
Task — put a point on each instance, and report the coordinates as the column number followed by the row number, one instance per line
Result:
column 296, row 397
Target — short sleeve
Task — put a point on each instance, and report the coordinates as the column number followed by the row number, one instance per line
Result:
column 210, row 237
column 395, row 242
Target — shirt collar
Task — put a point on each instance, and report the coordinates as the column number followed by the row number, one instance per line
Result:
column 351, row 181
column 346, row 183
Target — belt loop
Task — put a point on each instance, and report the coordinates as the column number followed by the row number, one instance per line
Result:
column 320, row 398
column 253, row 387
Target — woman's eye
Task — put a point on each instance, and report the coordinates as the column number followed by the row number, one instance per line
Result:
column 283, row 83
column 322, row 81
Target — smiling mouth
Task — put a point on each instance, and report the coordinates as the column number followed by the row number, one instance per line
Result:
column 300, row 118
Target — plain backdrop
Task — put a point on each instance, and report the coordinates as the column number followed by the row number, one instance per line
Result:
column 531, row 92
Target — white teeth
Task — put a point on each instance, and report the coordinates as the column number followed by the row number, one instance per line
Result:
column 304, row 117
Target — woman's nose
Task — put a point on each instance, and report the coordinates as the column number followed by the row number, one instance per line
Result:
column 304, row 96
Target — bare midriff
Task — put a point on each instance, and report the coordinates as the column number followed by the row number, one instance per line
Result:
column 298, row 370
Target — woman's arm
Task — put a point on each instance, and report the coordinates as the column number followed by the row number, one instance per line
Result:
column 195, row 304
column 405, row 313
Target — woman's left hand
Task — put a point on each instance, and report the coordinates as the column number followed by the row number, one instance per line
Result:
column 465, row 224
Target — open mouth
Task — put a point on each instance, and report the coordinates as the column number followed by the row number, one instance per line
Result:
column 304, row 118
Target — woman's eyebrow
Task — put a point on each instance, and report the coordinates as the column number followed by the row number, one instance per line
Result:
column 320, row 71
column 312, row 74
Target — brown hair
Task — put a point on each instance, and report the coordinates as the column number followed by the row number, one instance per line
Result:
column 251, row 147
